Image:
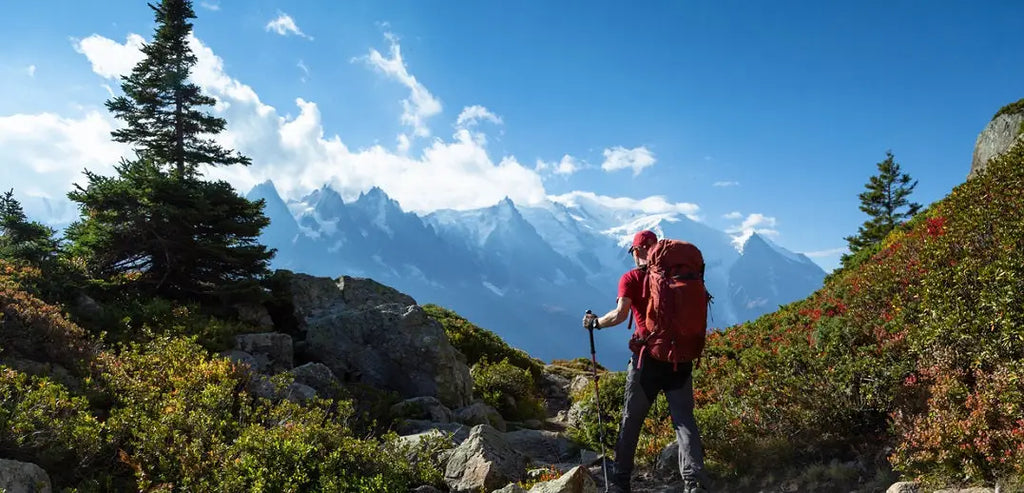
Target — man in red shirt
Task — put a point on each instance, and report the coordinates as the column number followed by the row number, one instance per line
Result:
column 644, row 381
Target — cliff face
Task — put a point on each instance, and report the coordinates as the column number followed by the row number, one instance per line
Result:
column 998, row 136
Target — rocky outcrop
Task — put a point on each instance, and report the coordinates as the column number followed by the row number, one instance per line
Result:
column 999, row 135
column 423, row 408
column 485, row 461
column 370, row 333
column 546, row 447
column 23, row 477
column 317, row 376
column 272, row 352
column 479, row 413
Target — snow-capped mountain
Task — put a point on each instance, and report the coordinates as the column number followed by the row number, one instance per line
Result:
column 526, row 273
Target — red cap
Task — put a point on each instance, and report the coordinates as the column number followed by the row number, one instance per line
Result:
column 643, row 238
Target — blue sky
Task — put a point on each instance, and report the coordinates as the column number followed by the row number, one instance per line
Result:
column 750, row 115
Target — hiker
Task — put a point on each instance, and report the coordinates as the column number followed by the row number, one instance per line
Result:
column 647, row 376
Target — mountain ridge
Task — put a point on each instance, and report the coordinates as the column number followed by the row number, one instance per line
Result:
column 526, row 272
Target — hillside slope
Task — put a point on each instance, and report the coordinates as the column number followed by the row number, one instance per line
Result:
column 913, row 353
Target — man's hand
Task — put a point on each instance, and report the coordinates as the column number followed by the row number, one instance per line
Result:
column 590, row 321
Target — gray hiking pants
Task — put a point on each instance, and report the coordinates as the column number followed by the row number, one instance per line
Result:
column 642, row 387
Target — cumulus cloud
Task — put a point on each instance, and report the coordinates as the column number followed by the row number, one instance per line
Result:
column 421, row 104
column 831, row 252
column 109, row 58
column 284, row 25
column 45, row 154
column 726, row 184
column 619, row 157
column 656, row 204
column 472, row 114
column 754, row 223
column 31, row 70
column 298, row 156
column 210, row 6
column 733, row 215
column 566, row 166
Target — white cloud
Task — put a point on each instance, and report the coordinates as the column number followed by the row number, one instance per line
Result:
column 296, row 154
column 43, row 155
column 733, row 215
column 109, row 58
column 566, row 166
column 651, row 205
column 472, row 114
column 726, row 184
column 754, row 223
column 619, row 157
column 210, row 5
column 285, row 25
column 305, row 70
column 831, row 252
column 31, row 70
column 420, row 105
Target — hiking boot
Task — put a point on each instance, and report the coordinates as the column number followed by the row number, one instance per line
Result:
column 694, row 487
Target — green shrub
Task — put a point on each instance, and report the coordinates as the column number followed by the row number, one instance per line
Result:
column 507, row 388
column 40, row 422
column 36, row 330
column 477, row 343
column 186, row 421
column 592, row 428
column 914, row 347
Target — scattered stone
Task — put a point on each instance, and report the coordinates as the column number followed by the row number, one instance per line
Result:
column 576, row 480
column 485, row 461
column 479, row 413
column 23, row 477
column 904, row 487
column 272, row 351
column 425, row 408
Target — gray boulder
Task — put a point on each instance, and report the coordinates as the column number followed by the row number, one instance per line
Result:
column 576, row 480
column 426, row 408
column 485, row 461
column 23, row 477
column 272, row 351
column 318, row 376
column 316, row 297
column 265, row 387
column 426, row 489
column 240, row 358
column 457, row 432
column 544, row 447
column 255, row 314
column 511, row 488
column 393, row 347
column 904, row 487
column 998, row 137
column 479, row 413
column 555, row 390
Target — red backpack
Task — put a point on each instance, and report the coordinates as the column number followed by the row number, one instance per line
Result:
column 677, row 303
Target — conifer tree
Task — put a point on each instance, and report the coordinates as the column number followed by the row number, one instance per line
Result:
column 22, row 240
column 157, row 223
column 885, row 201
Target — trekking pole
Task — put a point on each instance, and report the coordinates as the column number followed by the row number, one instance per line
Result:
column 597, row 403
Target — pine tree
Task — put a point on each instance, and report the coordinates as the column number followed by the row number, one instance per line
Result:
column 162, row 107
column 22, row 240
column 885, row 201
column 157, row 224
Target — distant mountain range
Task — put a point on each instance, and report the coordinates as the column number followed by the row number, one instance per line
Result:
column 526, row 273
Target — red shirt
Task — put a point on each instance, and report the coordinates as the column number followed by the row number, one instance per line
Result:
column 631, row 286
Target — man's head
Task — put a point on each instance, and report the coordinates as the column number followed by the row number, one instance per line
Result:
column 642, row 242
